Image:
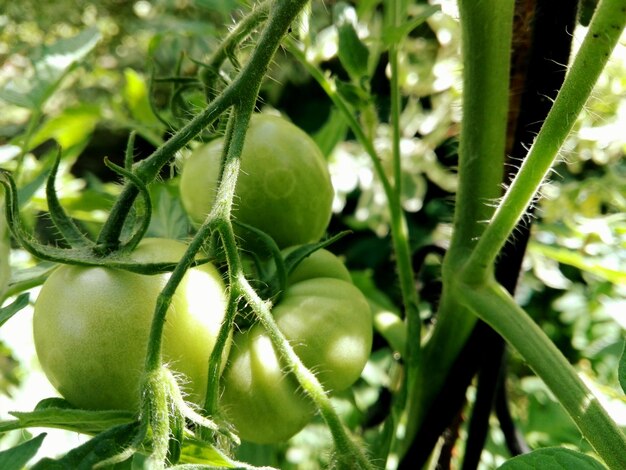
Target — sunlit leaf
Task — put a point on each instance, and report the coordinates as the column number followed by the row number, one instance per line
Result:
column 553, row 458
column 196, row 452
column 72, row 127
column 17, row 457
column 135, row 94
column 51, row 65
column 580, row 261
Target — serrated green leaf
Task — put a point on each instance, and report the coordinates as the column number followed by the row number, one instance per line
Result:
column 17, row 457
column 83, row 421
column 552, row 458
column 103, row 446
column 51, row 65
column 11, row 309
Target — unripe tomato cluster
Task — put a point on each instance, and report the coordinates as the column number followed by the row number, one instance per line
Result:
column 91, row 324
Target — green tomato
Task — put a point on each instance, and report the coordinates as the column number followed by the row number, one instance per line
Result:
column 283, row 188
column 91, row 328
column 263, row 403
column 328, row 322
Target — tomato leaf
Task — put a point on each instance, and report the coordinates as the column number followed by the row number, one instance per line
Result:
column 394, row 35
column 353, row 54
column 552, row 458
column 169, row 219
column 332, row 132
column 622, row 370
column 11, row 309
column 27, row 278
column 71, row 419
column 49, row 67
column 17, row 457
column 104, row 445
column 200, row 454
column 353, row 94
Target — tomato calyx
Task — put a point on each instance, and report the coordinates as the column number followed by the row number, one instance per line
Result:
column 74, row 246
column 273, row 274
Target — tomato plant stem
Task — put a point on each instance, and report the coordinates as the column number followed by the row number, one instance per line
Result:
column 243, row 90
column 486, row 44
column 604, row 32
column 496, row 307
column 242, row 93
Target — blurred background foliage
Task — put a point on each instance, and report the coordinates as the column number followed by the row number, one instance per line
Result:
column 145, row 74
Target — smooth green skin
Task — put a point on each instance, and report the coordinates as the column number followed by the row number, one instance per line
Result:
column 283, row 188
column 329, row 324
column 91, row 328
column 263, row 403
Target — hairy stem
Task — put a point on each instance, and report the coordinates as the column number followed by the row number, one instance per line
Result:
column 242, row 92
column 604, row 32
column 243, row 89
column 497, row 308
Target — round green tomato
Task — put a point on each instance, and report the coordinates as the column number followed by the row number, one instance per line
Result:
column 329, row 324
column 283, row 188
column 91, row 328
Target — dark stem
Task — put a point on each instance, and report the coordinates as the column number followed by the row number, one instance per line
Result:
column 514, row 439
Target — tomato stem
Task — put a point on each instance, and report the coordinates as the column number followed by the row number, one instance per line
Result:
column 486, row 46
column 496, row 307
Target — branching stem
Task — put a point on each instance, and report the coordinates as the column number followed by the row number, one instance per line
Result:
column 604, row 31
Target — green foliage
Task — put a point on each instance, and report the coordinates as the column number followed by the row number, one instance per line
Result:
column 377, row 85
column 17, row 457
column 49, row 66
column 553, row 459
